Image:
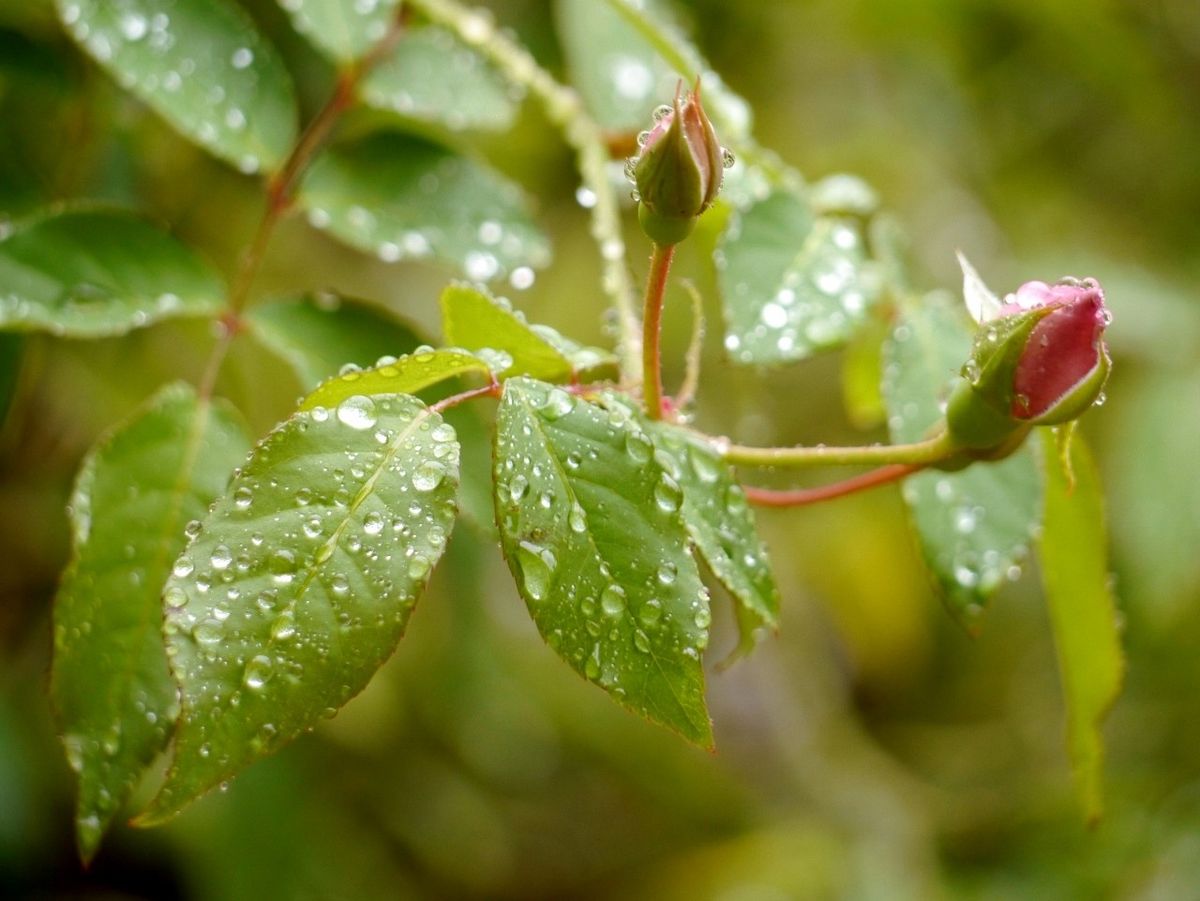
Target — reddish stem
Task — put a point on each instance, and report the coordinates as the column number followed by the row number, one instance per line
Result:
column 799, row 497
column 492, row 390
column 656, row 286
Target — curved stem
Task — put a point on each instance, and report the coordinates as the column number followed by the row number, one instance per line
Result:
column 565, row 109
column 446, row 403
column 799, row 497
column 920, row 453
column 656, row 286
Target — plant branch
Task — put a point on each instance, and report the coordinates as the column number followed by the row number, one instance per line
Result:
column 799, row 497
column 656, row 286
column 920, row 453
column 490, row 390
column 565, row 109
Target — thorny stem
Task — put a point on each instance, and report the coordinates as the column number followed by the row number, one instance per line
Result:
column 656, row 286
column 565, row 109
column 281, row 186
column 920, row 453
column 799, row 497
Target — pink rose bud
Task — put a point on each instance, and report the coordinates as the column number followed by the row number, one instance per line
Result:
column 1039, row 359
column 678, row 170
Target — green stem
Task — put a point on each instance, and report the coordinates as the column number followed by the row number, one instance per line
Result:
column 565, row 109
column 920, row 453
column 656, row 286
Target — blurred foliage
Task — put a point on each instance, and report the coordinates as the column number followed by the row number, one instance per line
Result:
column 872, row 749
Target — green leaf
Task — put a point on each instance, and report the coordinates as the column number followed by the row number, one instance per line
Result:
column 344, row 30
column 433, row 77
column 474, row 319
column 974, row 526
column 591, row 527
column 721, row 525
column 401, row 197
column 300, row 581
column 792, row 284
column 86, row 273
column 319, row 336
column 115, row 698
column 408, row 375
column 202, row 66
column 623, row 75
column 1083, row 611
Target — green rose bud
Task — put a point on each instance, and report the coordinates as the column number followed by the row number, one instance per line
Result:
column 678, row 170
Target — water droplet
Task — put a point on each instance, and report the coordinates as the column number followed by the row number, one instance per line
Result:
column 537, row 568
column 339, row 586
column 667, row 494
column 283, row 566
column 258, row 671
column 243, row 497
column 612, row 600
column 357, row 411
column 650, row 613
column 641, row 641
column 284, row 626
column 428, row 475
column 242, row 57
column 207, row 632
column 418, row 567
column 577, row 519
column 183, row 568
column 591, row 668
column 667, row 573
column 222, row 556
column 556, row 405
column 373, row 523
column 727, row 158
column 638, row 447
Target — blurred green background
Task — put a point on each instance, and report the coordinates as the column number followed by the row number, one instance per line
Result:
column 871, row 749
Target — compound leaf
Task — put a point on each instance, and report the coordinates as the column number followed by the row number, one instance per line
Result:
column 92, row 272
column 401, row 197
column 974, row 526
column 114, row 695
column 200, row 64
column 791, row 283
column 301, row 580
column 592, row 529
column 431, row 76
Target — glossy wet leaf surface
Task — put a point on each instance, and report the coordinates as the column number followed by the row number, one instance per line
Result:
column 1083, row 612
column 721, row 525
column 317, row 337
column 200, row 64
column 592, row 529
column 474, row 319
column 791, row 283
column 301, row 580
column 407, row 375
column 431, row 76
column 401, row 197
column 94, row 272
column 344, row 30
column 115, row 698
column 974, row 526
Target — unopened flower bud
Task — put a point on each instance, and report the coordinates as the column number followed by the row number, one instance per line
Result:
column 678, row 170
column 1038, row 359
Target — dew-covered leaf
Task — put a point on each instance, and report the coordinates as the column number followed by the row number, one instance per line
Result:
column 92, row 272
column 721, row 525
column 974, row 526
column 344, row 30
column 114, row 695
column 318, row 336
column 592, row 529
column 401, row 197
column 791, row 283
column 622, row 75
column 407, row 375
column 1083, row 612
column 474, row 319
column 301, row 581
column 200, row 64
column 431, row 76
